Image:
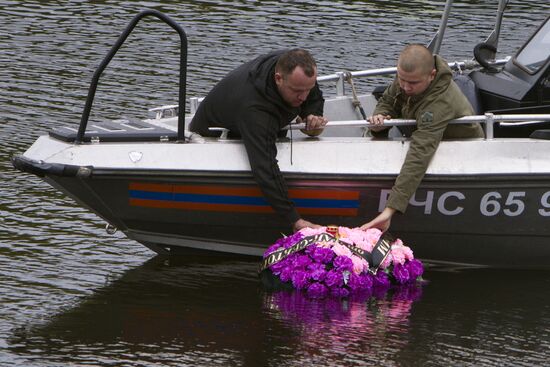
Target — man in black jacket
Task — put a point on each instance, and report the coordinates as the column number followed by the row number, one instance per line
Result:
column 255, row 101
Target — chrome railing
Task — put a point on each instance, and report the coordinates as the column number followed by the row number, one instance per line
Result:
column 488, row 119
column 340, row 77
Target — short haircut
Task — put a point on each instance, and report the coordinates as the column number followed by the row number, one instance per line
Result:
column 291, row 59
column 416, row 57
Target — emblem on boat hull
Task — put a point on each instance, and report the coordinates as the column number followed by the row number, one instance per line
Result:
column 135, row 156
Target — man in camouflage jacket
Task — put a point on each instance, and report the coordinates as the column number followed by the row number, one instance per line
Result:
column 423, row 90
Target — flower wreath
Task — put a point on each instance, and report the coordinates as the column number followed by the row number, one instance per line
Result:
column 339, row 261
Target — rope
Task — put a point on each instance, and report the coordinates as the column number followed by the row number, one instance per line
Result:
column 355, row 101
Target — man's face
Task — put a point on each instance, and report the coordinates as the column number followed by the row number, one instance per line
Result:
column 295, row 87
column 414, row 83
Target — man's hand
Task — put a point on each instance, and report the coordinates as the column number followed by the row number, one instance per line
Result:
column 314, row 124
column 382, row 221
column 300, row 223
column 378, row 120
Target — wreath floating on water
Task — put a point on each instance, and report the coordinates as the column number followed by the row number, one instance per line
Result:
column 339, row 261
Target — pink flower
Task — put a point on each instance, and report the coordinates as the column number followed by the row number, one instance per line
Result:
column 359, row 265
column 341, row 250
column 387, row 262
column 373, row 235
column 357, row 237
column 397, row 254
column 306, row 232
column 400, row 253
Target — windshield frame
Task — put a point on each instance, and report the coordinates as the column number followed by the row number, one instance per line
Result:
column 533, row 42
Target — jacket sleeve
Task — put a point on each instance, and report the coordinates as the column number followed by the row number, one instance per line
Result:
column 423, row 145
column 314, row 103
column 259, row 130
column 388, row 104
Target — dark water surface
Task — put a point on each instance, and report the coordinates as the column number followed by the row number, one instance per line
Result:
column 71, row 295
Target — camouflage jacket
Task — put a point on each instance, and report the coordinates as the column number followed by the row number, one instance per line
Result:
column 441, row 102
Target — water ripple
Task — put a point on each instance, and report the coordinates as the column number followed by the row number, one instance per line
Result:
column 59, row 270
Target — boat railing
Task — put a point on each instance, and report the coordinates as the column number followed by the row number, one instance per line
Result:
column 182, row 73
column 489, row 119
column 341, row 77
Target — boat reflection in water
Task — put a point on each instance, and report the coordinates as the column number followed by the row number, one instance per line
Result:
column 203, row 309
column 206, row 311
column 194, row 309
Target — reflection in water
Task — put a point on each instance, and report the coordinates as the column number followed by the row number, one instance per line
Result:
column 198, row 310
column 359, row 328
column 206, row 311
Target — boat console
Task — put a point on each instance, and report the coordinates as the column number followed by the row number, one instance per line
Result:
column 522, row 86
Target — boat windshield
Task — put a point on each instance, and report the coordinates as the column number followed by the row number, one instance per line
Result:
column 535, row 53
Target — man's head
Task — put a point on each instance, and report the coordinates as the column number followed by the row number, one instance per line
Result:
column 295, row 76
column 415, row 69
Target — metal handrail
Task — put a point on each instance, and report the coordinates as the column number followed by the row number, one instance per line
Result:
column 340, row 77
column 488, row 119
column 182, row 79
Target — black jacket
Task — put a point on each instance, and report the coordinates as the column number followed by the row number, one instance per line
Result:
column 247, row 102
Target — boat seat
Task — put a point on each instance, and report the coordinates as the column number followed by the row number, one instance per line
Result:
column 123, row 130
column 469, row 89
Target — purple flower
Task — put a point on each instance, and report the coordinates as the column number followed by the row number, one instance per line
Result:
column 343, row 263
column 401, row 273
column 286, row 274
column 339, row 292
column 286, row 242
column 301, row 261
column 287, row 262
column 277, row 267
column 317, row 271
column 415, row 268
column 381, row 280
column 300, row 279
column 322, row 254
column 408, row 292
column 368, row 278
column 317, row 290
column 334, row 279
column 360, row 296
column 360, row 282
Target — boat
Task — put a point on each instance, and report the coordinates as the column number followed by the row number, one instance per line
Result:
column 483, row 202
